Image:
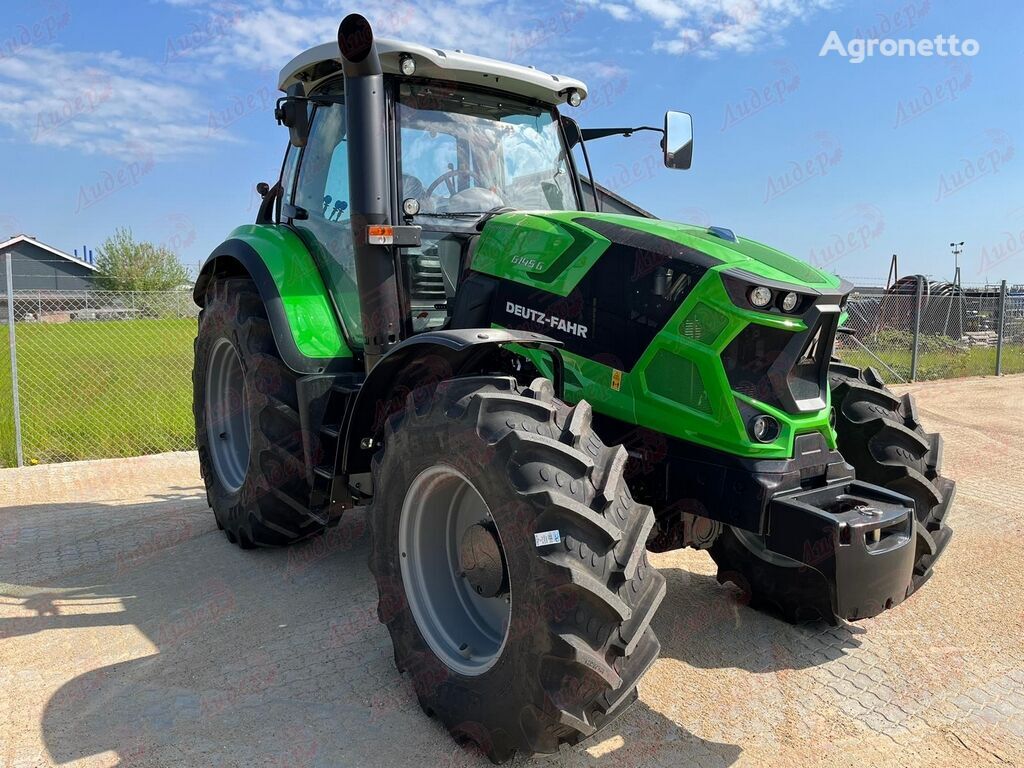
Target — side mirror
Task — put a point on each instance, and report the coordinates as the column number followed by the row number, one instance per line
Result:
column 293, row 112
column 678, row 140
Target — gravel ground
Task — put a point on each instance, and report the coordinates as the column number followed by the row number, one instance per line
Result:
column 131, row 633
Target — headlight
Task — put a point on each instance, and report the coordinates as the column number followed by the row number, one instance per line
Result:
column 760, row 296
column 764, row 428
column 789, row 302
column 408, row 65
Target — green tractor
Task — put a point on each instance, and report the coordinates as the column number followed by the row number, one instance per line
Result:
column 434, row 319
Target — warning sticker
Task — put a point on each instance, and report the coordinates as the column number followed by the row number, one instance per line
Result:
column 616, row 380
column 547, row 537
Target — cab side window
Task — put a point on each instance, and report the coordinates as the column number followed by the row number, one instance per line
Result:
column 322, row 194
column 291, row 165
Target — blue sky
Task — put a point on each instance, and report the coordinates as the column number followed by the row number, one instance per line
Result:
column 158, row 115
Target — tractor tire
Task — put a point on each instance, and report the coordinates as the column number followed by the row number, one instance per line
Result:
column 247, row 422
column 510, row 565
column 880, row 434
column 769, row 582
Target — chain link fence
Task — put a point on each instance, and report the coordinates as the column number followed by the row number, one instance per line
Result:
column 104, row 374
column 913, row 335
column 99, row 374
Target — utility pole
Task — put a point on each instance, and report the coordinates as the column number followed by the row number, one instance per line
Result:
column 958, row 294
column 958, row 248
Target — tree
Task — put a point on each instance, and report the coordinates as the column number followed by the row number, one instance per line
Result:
column 125, row 265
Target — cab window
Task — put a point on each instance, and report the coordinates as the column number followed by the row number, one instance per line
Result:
column 322, row 195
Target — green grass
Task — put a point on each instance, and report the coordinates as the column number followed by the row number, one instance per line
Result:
column 976, row 361
column 99, row 390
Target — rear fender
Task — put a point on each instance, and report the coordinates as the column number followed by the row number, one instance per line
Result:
column 306, row 329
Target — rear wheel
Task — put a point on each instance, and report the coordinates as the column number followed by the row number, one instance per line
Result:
column 247, row 422
column 510, row 562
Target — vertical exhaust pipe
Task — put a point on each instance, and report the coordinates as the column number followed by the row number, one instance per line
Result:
column 366, row 129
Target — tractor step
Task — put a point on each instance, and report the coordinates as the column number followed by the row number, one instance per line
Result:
column 324, row 403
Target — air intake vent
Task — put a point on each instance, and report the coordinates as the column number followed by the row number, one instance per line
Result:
column 703, row 324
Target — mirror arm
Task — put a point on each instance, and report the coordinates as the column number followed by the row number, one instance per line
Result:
column 599, row 133
column 590, row 174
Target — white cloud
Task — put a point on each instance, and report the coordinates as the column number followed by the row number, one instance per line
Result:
column 665, row 11
column 102, row 103
column 618, row 12
column 267, row 34
column 685, row 41
column 709, row 27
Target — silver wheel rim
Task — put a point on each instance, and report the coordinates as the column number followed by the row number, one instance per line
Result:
column 227, row 415
column 465, row 630
column 754, row 543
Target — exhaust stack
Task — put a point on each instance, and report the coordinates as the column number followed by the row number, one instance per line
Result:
column 365, row 124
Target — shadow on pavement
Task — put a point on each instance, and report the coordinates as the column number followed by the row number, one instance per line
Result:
column 707, row 625
column 270, row 657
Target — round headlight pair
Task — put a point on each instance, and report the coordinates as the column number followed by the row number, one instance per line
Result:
column 761, row 297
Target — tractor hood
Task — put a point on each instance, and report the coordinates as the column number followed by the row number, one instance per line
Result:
column 554, row 249
column 661, row 313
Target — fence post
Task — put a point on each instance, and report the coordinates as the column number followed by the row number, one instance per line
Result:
column 9, row 260
column 919, row 298
column 1001, row 328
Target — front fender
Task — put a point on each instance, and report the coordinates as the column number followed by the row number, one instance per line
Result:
column 427, row 358
column 307, row 332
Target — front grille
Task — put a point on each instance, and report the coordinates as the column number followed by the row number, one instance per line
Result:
column 780, row 368
column 749, row 358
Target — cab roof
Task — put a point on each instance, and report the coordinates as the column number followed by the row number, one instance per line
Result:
column 313, row 66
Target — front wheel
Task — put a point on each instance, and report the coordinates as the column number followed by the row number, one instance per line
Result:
column 510, row 562
column 881, row 435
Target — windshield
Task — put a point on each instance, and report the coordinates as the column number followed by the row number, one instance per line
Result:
column 467, row 152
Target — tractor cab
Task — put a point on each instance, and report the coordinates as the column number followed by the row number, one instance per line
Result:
column 463, row 138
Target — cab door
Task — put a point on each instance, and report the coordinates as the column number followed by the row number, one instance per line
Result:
column 318, row 210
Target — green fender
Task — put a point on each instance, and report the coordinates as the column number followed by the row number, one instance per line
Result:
column 308, row 335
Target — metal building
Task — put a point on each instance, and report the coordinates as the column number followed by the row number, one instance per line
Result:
column 41, row 267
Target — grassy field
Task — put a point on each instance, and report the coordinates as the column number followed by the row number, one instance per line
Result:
column 98, row 390
column 977, row 361
column 124, row 388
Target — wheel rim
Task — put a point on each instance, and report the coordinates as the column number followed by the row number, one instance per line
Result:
column 754, row 543
column 227, row 415
column 441, row 512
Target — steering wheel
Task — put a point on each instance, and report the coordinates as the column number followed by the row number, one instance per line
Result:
column 447, row 177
